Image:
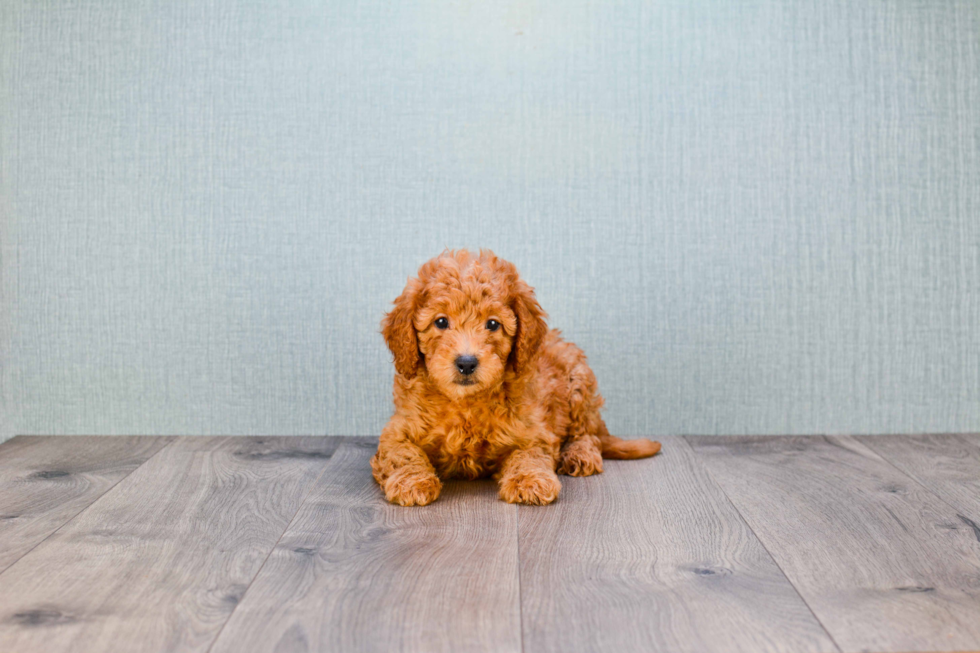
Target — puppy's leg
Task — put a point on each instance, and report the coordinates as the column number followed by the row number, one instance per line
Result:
column 528, row 476
column 405, row 473
column 581, row 453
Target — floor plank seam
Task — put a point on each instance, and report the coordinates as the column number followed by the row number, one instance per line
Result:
column 272, row 549
column 520, row 563
column 92, row 503
column 707, row 470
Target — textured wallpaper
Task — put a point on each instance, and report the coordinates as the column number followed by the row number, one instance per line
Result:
column 754, row 216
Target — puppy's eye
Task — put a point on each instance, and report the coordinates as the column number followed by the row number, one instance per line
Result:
column 442, row 323
column 493, row 325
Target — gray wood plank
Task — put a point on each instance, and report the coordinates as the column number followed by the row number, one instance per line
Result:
column 160, row 561
column 947, row 464
column 355, row 573
column 45, row 481
column 884, row 564
column 651, row 556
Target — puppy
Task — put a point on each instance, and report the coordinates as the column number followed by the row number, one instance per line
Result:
column 483, row 388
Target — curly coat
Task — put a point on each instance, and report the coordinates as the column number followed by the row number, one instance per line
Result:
column 527, row 412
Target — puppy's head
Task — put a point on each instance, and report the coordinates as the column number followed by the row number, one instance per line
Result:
column 466, row 320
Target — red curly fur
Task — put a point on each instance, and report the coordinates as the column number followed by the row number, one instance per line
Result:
column 529, row 412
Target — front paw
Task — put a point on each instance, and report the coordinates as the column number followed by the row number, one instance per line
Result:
column 535, row 488
column 412, row 488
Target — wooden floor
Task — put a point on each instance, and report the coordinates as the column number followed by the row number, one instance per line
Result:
column 286, row 544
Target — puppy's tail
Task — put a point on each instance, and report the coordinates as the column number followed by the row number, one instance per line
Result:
column 613, row 447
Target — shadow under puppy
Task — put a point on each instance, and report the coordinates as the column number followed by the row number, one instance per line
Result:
column 483, row 388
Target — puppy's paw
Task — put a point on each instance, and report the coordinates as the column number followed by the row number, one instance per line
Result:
column 580, row 459
column 533, row 488
column 412, row 488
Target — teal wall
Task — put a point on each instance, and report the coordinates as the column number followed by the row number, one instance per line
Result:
column 755, row 216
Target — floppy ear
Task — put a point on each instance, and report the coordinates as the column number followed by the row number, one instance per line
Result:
column 531, row 327
column 399, row 331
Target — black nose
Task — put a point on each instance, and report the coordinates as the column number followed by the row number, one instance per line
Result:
column 466, row 364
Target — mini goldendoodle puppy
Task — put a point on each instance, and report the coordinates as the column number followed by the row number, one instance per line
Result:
column 483, row 388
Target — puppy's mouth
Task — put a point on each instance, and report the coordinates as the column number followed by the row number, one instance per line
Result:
column 465, row 381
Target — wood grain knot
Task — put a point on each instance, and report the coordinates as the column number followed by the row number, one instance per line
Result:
column 50, row 474
column 283, row 454
column 915, row 589
column 972, row 524
column 710, row 570
column 41, row 617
